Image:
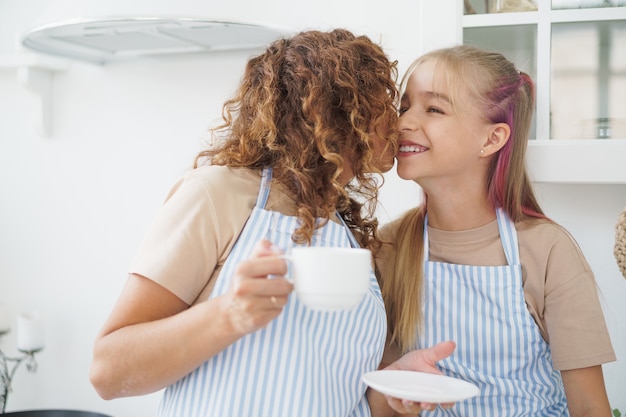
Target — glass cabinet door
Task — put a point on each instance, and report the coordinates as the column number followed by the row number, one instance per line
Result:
column 516, row 42
column 575, row 50
column 588, row 80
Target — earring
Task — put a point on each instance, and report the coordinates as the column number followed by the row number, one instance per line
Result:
column 482, row 152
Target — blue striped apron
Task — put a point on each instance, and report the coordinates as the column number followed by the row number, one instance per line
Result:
column 304, row 363
column 499, row 346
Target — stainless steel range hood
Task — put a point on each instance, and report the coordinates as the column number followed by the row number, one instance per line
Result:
column 113, row 38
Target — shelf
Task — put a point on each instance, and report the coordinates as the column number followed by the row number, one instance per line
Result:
column 588, row 15
column 533, row 17
column 30, row 60
column 595, row 161
column 35, row 72
column 107, row 39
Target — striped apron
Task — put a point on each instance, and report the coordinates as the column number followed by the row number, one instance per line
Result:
column 499, row 346
column 304, row 362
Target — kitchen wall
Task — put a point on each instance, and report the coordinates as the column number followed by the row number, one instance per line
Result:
column 74, row 206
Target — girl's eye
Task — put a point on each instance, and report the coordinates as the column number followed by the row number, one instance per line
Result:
column 434, row 110
column 403, row 109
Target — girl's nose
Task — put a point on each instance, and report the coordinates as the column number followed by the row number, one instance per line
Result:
column 406, row 122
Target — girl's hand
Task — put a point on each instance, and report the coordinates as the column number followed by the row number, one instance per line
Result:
column 411, row 407
column 422, row 360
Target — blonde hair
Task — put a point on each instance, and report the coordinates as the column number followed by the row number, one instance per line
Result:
column 401, row 286
column 505, row 95
column 302, row 106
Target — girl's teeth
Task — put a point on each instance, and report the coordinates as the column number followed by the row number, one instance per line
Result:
column 406, row 148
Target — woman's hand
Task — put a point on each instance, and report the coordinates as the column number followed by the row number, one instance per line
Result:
column 259, row 290
column 152, row 338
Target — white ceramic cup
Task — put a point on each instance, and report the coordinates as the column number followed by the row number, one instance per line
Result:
column 330, row 278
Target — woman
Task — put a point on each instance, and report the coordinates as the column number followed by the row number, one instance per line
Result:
column 314, row 118
column 479, row 263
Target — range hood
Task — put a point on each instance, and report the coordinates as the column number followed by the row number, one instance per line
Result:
column 108, row 39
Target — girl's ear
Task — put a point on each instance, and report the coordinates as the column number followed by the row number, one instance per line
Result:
column 499, row 135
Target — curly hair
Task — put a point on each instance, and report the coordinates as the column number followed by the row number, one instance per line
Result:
column 311, row 107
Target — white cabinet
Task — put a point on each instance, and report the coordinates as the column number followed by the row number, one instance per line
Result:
column 36, row 72
column 575, row 50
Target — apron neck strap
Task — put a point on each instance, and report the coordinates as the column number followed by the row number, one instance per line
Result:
column 264, row 191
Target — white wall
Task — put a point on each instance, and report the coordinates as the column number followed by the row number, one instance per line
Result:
column 74, row 206
column 590, row 213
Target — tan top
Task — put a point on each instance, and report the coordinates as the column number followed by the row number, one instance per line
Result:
column 559, row 286
column 192, row 234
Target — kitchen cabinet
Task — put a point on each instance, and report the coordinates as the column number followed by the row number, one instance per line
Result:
column 575, row 50
column 35, row 72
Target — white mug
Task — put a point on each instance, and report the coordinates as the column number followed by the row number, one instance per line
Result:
column 330, row 278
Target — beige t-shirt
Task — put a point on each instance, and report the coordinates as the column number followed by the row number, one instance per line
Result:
column 559, row 286
column 192, row 234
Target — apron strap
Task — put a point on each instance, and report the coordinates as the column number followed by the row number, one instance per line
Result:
column 508, row 237
column 351, row 237
column 264, row 191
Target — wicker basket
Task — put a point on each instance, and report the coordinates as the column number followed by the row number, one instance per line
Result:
column 620, row 242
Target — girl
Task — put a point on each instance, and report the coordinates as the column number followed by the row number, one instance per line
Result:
column 479, row 263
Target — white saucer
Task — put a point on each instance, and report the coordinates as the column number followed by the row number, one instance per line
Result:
column 420, row 386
